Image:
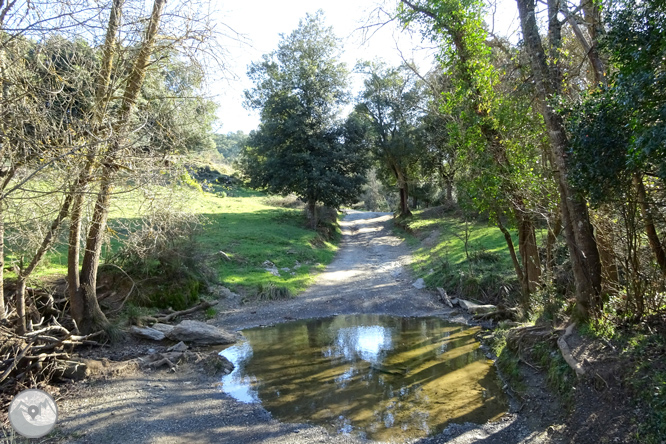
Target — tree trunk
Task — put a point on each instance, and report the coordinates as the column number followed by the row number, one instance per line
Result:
column 516, row 264
column 404, row 192
column 553, row 231
column 79, row 192
column 74, row 249
column 650, row 229
column 84, row 306
column 20, row 305
column 2, row 263
column 578, row 230
column 24, row 273
column 529, row 253
column 312, row 213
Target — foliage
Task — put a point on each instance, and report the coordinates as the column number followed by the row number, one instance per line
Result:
column 390, row 103
column 230, row 145
column 299, row 147
column 468, row 259
column 619, row 129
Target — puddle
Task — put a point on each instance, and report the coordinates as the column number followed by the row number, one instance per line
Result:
column 382, row 377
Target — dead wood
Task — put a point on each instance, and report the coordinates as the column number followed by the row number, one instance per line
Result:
column 566, row 352
column 164, row 319
column 444, row 297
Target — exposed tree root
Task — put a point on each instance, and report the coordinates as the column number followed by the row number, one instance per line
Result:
column 566, row 352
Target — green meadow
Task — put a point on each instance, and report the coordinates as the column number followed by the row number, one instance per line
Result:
column 249, row 227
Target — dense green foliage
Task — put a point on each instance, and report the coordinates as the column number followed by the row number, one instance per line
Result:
column 230, row 145
column 300, row 147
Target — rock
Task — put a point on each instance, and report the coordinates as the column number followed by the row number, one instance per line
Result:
column 269, row 264
column 419, row 284
column 273, row 271
column 75, row 370
column 227, row 294
column 454, row 301
column 164, row 328
column 216, row 364
column 180, row 347
column 286, row 269
column 200, row 333
column 147, row 333
column 473, row 308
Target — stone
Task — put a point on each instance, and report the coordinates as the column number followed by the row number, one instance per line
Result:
column 180, row 347
column 419, row 284
column 216, row 364
column 147, row 333
column 473, row 308
column 75, row 370
column 164, row 328
column 200, row 333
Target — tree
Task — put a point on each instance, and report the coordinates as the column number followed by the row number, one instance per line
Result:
column 230, row 145
column 390, row 100
column 617, row 155
column 299, row 147
column 582, row 245
column 477, row 126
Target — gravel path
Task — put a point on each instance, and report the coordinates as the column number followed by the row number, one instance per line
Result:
column 369, row 275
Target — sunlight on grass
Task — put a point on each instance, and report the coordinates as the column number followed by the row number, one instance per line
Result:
column 478, row 270
column 242, row 225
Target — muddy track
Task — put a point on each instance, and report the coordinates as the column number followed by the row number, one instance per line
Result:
column 369, row 275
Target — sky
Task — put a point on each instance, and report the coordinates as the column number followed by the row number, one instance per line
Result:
column 260, row 23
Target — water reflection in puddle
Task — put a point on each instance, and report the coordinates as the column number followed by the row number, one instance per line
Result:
column 382, row 377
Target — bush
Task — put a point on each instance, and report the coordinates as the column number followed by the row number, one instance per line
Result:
column 164, row 260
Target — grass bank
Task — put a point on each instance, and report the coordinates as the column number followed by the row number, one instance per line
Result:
column 467, row 258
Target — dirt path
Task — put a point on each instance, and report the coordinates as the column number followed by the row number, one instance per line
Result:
column 367, row 276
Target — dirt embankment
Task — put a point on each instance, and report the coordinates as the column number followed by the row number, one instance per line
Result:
column 369, row 275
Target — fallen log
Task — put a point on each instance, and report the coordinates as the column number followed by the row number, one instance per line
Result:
column 444, row 297
column 566, row 352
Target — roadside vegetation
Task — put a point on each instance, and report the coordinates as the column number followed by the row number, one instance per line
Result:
column 530, row 175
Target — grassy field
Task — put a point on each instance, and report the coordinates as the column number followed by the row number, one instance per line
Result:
column 249, row 227
column 467, row 258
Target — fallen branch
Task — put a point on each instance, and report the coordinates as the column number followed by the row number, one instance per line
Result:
column 444, row 297
column 164, row 319
column 566, row 352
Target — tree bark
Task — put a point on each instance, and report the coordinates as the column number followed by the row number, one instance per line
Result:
column 312, row 213
column 84, row 306
column 529, row 253
column 578, row 230
column 24, row 273
column 650, row 229
column 516, row 263
column 2, row 263
column 79, row 192
column 20, row 305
